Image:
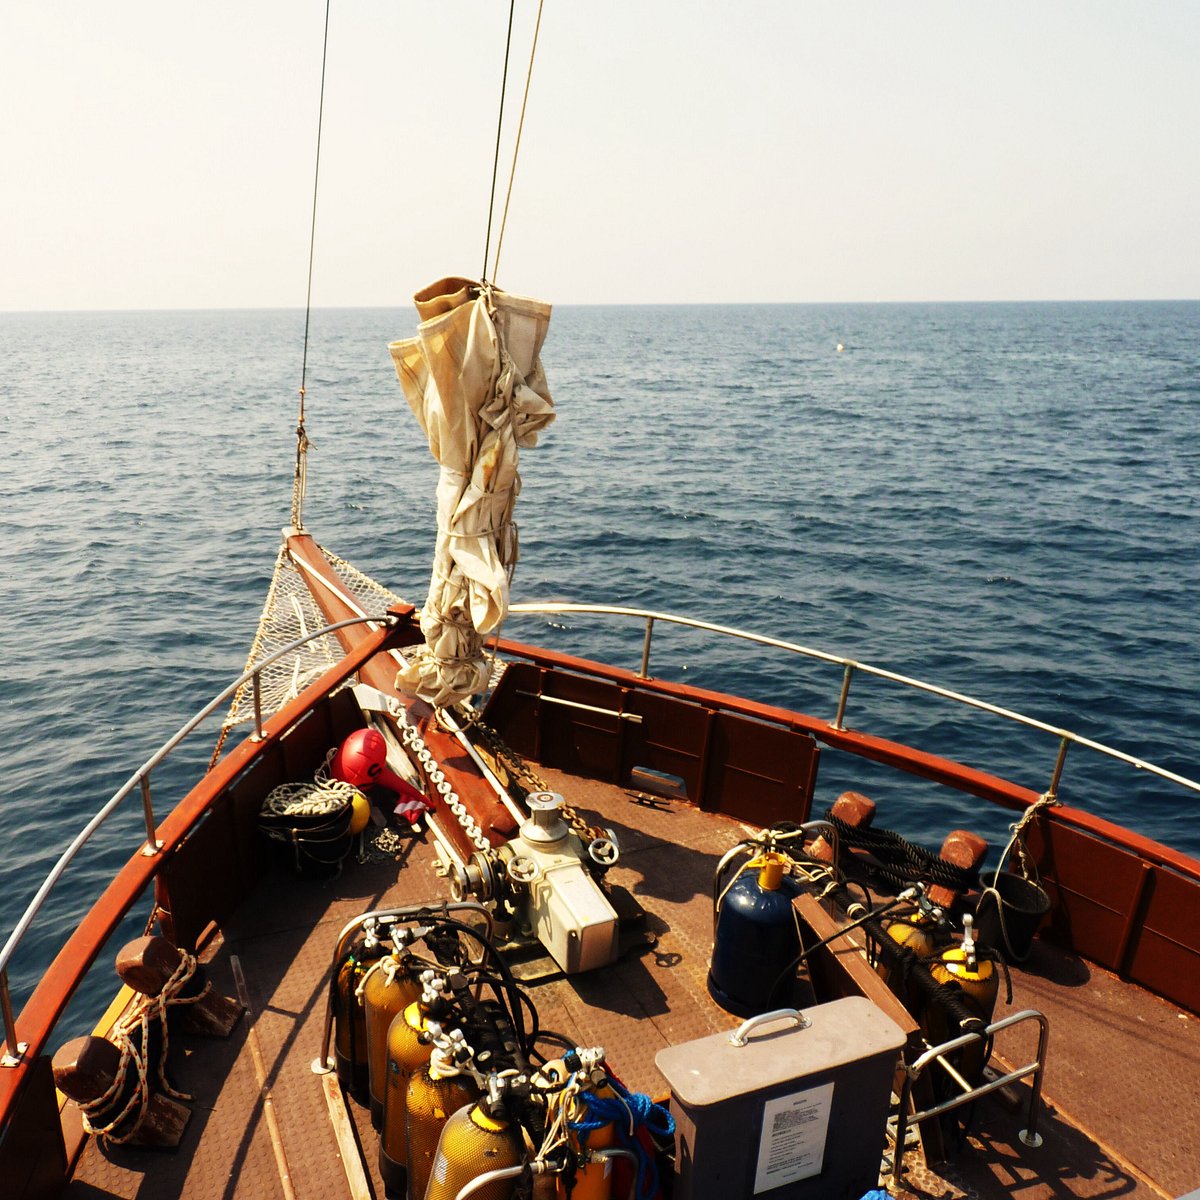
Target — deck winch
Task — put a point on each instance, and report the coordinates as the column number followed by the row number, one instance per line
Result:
column 546, row 878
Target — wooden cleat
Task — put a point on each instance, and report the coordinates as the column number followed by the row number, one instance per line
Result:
column 150, row 964
column 86, row 1069
column 856, row 810
column 962, row 849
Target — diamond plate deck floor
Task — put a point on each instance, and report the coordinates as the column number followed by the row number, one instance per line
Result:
column 1144, row 1055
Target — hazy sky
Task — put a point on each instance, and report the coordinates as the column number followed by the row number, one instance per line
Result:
column 160, row 155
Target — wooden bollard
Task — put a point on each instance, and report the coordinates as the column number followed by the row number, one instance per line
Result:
column 146, row 965
column 962, row 848
column 85, row 1069
column 855, row 810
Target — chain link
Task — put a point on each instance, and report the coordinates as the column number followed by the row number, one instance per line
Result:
column 521, row 773
column 413, row 741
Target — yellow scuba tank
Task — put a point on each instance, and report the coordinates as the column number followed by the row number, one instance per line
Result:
column 915, row 929
column 435, row 1092
column 409, row 1045
column 386, row 989
column 978, row 983
column 350, row 1021
column 593, row 1181
column 475, row 1140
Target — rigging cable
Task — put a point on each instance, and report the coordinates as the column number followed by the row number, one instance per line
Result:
column 517, row 147
column 302, row 443
column 487, row 245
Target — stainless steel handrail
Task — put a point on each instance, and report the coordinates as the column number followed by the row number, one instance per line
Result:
column 140, row 779
column 912, row 1071
column 849, row 668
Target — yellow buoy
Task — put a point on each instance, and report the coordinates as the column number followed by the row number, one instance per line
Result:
column 360, row 812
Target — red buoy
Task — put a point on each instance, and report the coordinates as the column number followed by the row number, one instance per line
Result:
column 361, row 761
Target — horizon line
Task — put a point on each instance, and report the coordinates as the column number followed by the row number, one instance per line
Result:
column 18, row 312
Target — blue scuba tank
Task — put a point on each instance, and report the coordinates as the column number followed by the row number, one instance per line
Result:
column 756, row 940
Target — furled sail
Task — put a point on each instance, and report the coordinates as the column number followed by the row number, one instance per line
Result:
column 474, row 380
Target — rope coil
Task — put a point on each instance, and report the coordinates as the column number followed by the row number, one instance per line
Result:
column 900, row 861
column 133, row 1035
column 630, row 1113
column 321, row 798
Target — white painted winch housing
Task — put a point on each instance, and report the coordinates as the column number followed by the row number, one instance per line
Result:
column 563, row 905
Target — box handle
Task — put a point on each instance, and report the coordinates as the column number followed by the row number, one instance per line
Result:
column 740, row 1035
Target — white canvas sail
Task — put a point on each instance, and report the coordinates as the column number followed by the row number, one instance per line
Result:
column 474, row 380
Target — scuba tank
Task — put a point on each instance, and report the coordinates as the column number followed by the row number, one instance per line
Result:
column 350, row 1022
column 593, row 1180
column 386, row 989
column 756, row 939
column 476, row 1139
column 916, row 929
column 977, row 980
column 435, row 1092
column 409, row 1045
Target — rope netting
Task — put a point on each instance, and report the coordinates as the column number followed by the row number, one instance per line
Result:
column 290, row 613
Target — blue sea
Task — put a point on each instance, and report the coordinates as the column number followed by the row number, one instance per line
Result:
column 1000, row 499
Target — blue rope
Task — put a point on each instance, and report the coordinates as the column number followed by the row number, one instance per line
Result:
column 627, row 1112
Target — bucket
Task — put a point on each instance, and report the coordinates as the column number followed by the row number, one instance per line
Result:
column 1009, row 913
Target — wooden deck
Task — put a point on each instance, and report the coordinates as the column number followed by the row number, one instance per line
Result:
column 1123, row 1083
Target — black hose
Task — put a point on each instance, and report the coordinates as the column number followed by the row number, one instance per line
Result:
column 515, row 996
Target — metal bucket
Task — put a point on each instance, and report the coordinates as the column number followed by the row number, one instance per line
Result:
column 1009, row 913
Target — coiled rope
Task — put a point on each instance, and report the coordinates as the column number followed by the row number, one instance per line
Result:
column 900, row 861
column 318, row 799
column 132, row 1035
column 628, row 1112
column 291, row 814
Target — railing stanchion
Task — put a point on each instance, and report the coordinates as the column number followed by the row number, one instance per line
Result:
column 644, row 673
column 153, row 845
column 14, row 1051
column 847, row 675
column 1063, row 746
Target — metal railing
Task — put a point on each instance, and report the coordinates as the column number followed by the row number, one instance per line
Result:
column 851, row 667
column 967, row 1093
column 140, row 779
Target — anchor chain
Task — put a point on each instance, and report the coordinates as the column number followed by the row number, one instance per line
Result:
column 415, row 743
column 529, row 780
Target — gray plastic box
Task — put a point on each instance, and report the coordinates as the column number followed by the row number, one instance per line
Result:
column 794, row 1112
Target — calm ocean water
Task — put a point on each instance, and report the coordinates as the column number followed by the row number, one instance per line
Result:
column 999, row 499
